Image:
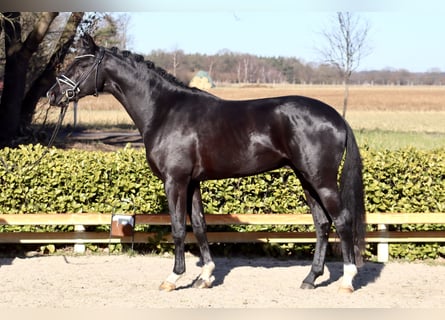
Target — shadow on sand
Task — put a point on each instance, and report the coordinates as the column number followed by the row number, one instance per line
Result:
column 367, row 274
column 5, row 259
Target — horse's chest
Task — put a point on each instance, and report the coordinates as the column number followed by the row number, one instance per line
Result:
column 171, row 155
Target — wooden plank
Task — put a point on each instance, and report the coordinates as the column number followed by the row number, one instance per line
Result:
column 144, row 237
column 234, row 219
column 152, row 219
column 55, row 219
column 405, row 236
column 213, row 219
column 214, row 237
column 405, row 218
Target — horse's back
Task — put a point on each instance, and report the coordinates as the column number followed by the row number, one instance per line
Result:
column 252, row 136
column 289, row 121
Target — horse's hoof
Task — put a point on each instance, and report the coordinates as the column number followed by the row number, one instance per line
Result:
column 305, row 285
column 167, row 286
column 203, row 284
column 346, row 290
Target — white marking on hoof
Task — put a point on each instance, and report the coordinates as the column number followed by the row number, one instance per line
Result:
column 170, row 283
column 204, row 284
column 205, row 279
column 207, row 271
column 349, row 272
column 173, row 277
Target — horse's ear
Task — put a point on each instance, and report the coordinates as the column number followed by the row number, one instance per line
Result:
column 88, row 46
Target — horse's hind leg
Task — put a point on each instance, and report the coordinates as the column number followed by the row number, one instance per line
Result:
column 205, row 279
column 322, row 228
column 343, row 224
column 342, row 219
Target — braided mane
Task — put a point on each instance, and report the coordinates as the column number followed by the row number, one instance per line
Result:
column 138, row 60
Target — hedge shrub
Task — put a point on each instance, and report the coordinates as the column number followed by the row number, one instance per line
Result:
column 407, row 180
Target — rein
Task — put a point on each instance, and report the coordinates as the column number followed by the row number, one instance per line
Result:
column 50, row 144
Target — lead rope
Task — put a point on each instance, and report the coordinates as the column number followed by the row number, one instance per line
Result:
column 58, row 126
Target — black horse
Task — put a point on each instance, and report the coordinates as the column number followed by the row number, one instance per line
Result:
column 191, row 136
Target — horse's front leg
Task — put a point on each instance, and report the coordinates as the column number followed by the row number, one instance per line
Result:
column 206, row 278
column 177, row 203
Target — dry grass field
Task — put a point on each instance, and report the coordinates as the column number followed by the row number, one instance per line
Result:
column 362, row 98
column 389, row 116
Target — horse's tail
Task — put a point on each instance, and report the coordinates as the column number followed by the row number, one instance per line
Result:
column 351, row 190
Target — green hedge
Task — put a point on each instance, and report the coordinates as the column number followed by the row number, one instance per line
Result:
column 406, row 180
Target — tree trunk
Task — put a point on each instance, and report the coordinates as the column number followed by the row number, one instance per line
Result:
column 18, row 55
column 47, row 78
column 345, row 96
column 9, row 119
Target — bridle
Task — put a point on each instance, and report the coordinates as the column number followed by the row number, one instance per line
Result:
column 73, row 86
column 70, row 95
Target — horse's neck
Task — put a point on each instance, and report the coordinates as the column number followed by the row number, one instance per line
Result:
column 140, row 98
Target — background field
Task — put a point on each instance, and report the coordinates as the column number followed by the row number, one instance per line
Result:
column 382, row 116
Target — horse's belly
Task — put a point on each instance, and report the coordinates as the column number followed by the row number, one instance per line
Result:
column 227, row 165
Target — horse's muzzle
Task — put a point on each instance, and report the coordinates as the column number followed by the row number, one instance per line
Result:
column 56, row 97
column 56, row 100
column 51, row 96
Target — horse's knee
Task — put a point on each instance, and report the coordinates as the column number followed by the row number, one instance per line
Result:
column 324, row 229
column 198, row 228
column 178, row 233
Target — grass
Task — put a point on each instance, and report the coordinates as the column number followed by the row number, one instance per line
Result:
column 400, row 121
column 393, row 140
column 382, row 117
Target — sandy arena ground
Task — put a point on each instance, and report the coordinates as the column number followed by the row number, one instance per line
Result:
column 132, row 282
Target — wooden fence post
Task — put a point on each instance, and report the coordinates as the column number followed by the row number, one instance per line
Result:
column 79, row 247
column 382, row 247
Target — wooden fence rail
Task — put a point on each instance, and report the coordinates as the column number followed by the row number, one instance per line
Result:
column 80, row 237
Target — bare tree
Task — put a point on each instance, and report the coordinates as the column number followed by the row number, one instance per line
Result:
column 18, row 55
column 29, row 70
column 176, row 56
column 110, row 30
column 46, row 76
column 346, row 46
column 123, row 22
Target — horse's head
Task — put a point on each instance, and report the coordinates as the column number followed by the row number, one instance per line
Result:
column 81, row 78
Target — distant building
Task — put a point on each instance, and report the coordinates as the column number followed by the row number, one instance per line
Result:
column 202, row 80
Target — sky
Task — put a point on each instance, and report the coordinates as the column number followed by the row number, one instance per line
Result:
column 404, row 34
column 399, row 37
